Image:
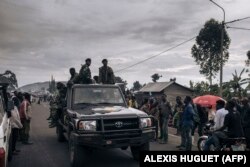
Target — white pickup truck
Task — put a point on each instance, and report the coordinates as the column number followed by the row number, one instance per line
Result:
column 5, row 128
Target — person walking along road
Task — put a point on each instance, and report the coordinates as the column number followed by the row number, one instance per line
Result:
column 187, row 124
column 165, row 111
column 25, row 116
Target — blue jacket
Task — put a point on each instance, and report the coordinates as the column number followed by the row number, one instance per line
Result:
column 188, row 116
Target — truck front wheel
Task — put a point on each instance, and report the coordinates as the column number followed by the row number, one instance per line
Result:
column 59, row 133
column 135, row 150
column 78, row 154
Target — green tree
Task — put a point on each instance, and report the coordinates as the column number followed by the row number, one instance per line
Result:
column 206, row 51
column 234, row 88
column 52, row 85
column 120, row 80
column 248, row 62
column 248, row 55
column 191, row 84
column 203, row 88
column 155, row 77
column 237, row 83
column 227, row 90
column 137, row 85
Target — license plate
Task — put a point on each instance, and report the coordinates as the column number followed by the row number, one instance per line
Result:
column 238, row 147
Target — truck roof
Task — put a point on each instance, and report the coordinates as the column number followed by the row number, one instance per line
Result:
column 95, row 86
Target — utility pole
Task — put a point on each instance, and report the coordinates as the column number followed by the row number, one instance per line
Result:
column 221, row 47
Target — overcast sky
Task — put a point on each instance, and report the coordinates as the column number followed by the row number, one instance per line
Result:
column 40, row 38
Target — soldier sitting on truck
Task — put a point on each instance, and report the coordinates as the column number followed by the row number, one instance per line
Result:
column 73, row 76
column 106, row 74
column 58, row 104
column 84, row 76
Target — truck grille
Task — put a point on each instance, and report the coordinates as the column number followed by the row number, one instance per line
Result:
column 122, row 135
column 120, row 124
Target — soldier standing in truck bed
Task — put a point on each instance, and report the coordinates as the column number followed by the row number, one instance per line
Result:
column 106, row 74
column 74, row 77
column 84, row 76
column 73, row 74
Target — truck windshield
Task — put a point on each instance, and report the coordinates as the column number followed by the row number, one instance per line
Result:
column 95, row 96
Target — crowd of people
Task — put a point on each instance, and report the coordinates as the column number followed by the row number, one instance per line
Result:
column 231, row 119
column 20, row 117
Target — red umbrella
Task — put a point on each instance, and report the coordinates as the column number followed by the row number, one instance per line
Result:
column 207, row 100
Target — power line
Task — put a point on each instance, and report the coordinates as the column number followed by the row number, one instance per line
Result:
column 180, row 45
column 239, row 28
column 155, row 55
column 237, row 20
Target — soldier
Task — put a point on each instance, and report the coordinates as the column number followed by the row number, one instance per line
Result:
column 96, row 79
column 73, row 78
column 84, row 76
column 106, row 74
column 164, row 115
column 73, row 74
column 58, row 104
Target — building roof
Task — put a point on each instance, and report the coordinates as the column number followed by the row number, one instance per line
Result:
column 160, row 86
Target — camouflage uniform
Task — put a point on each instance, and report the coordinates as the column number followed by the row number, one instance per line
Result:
column 53, row 109
column 84, row 76
column 74, row 78
column 57, row 105
column 178, row 111
column 106, row 75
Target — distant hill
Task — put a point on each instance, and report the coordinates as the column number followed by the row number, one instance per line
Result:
column 35, row 87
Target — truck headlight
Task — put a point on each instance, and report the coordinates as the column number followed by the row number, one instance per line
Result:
column 146, row 122
column 87, row 125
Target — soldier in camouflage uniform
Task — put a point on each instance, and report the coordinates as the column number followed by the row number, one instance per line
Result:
column 178, row 111
column 84, row 76
column 106, row 74
column 58, row 104
column 73, row 77
column 53, row 108
column 73, row 74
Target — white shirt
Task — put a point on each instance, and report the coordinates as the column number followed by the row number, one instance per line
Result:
column 219, row 118
column 15, row 119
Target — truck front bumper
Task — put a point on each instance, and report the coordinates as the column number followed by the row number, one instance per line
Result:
column 114, row 139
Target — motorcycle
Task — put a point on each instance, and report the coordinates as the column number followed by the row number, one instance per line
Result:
column 228, row 144
column 207, row 132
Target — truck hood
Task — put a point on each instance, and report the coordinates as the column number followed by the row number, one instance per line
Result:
column 109, row 110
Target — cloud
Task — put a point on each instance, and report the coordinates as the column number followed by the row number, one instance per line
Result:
column 176, row 69
column 43, row 38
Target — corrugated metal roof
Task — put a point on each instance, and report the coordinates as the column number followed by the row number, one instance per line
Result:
column 160, row 86
column 155, row 86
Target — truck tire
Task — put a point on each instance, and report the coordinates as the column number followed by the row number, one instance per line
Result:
column 59, row 133
column 135, row 150
column 78, row 154
column 201, row 143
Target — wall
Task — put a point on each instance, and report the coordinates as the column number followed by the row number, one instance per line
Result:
column 175, row 90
